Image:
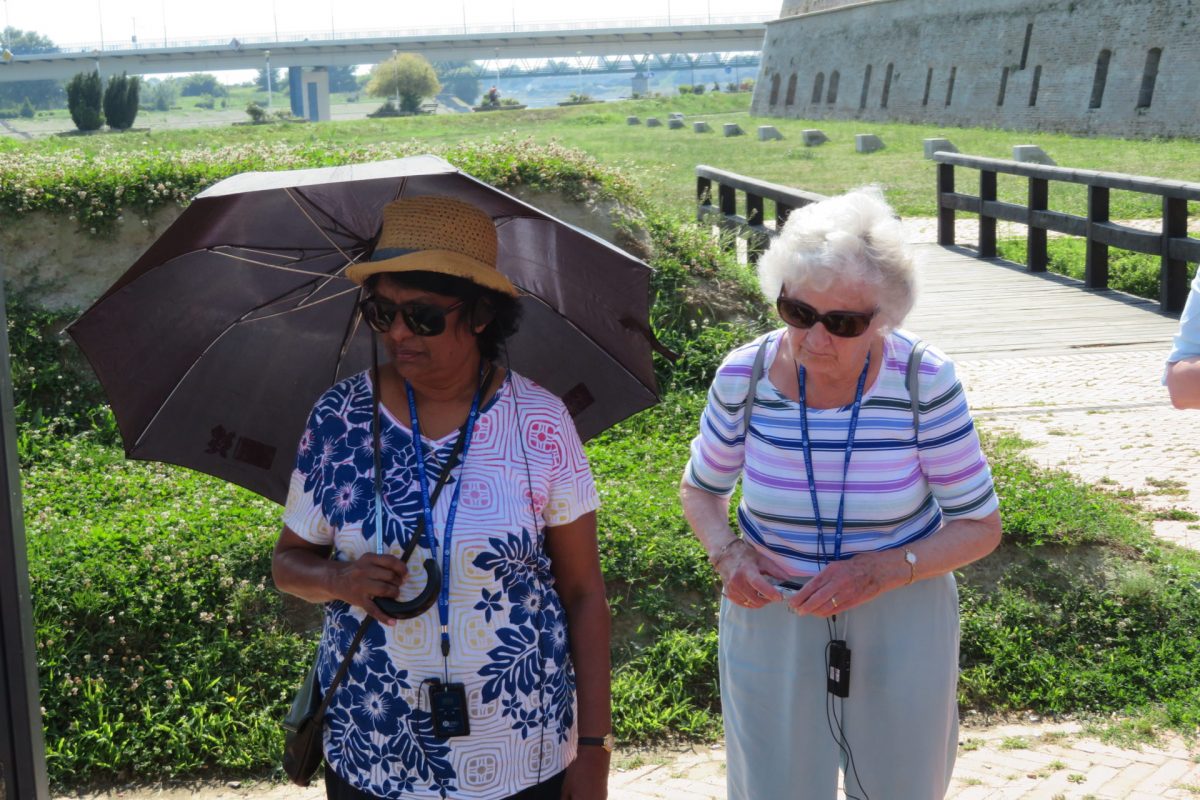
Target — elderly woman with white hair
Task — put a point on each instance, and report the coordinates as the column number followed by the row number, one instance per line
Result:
column 839, row 622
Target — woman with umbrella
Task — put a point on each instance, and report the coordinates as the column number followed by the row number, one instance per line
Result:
column 501, row 688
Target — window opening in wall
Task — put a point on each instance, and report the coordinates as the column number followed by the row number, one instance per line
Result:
column 1149, row 76
column 928, row 85
column 862, row 98
column 818, row 87
column 774, row 90
column 790, row 98
column 1033, row 89
column 950, row 85
column 831, row 95
column 1003, row 87
column 887, row 87
column 1101, row 79
column 1025, row 47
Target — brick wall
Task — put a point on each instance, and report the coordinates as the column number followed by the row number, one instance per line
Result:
column 1021, row 64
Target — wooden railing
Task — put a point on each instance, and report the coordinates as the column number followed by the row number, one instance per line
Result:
column 1171, row 243
column 750, row 225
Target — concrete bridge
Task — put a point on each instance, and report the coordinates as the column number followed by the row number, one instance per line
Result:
column 567, row 40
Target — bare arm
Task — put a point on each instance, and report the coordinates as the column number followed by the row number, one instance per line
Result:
column 743, row 569
column 866, row 576
column 575, row 563
column 1183, row 382
column 305, row 570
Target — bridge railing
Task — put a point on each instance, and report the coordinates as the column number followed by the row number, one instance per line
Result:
column 751, row 225
column 1171, row 243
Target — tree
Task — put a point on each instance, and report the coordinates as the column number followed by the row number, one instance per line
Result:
column 161, row 94
column 342, row 79
column 84, row 100
column 406, row 74
column 42, row 94
column 121, row 101
column 202, row 83
column 460, row 78
column 261, row 80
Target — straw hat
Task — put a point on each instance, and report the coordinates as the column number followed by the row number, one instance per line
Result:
column 436, row 234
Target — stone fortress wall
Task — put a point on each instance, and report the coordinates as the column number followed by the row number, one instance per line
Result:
column 1113, row 67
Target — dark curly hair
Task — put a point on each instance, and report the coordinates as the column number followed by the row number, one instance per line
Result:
column 479, row 304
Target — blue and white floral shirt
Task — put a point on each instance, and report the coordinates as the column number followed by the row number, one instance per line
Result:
column 507, row 626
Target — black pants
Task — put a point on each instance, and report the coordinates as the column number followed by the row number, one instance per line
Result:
column 338, row 789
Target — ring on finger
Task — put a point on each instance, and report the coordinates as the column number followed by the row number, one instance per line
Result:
column 834, row 601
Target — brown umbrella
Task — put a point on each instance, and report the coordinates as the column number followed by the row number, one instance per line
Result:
column 213, row 347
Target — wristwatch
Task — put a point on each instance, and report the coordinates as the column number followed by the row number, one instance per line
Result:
column 606, row 741
column 911, row 558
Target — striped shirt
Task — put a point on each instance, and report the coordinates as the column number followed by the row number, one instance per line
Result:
column 897, row 491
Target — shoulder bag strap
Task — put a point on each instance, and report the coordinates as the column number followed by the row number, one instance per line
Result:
column 911, row 380
column 755, row 376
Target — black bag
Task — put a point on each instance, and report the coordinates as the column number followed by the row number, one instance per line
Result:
column 304, row 724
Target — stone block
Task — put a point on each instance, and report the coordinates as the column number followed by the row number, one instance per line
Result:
column 653, row 122
column 675, row 115
column 1032, row 154
column 733, row 129
column 632, row 121
column 936, row 145
column 674, row 124
column 867, row 143
column 813, row 137
column 701, row 127
column 768, row 132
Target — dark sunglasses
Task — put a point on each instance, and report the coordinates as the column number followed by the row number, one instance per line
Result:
column 846, row 324
column 423, row 319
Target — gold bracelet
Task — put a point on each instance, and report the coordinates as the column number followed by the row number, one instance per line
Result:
column 715, row 560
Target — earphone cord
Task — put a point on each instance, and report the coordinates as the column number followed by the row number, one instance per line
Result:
column 836, row 729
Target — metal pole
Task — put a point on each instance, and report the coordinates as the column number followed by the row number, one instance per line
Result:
column 396, row 76
column 275, row 19
column 464, row 10
column 100, row 17
column 164, row 21
column 22, row 749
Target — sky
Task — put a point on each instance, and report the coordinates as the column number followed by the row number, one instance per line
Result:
column 93, row 21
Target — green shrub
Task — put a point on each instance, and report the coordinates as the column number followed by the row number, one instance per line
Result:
column 84, row 99
column 121, row 101
column 27, row 109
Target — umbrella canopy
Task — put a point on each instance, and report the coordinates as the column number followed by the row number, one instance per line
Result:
column 214, row 345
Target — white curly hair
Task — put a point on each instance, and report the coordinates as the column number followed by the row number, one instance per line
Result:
column 851, row 238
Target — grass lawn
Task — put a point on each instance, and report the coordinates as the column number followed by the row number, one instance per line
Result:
column 663, row 161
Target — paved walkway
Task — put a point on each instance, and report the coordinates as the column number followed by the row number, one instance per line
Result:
column 1077, row 374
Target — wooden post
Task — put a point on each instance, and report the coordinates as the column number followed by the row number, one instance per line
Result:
column 1172, row 276
column 703, row 198
column 1035, row 243
column 754, row 216
column 1095, row 272
column 987, row 225
column 782, row 212
column 727, row 198
column 945, row 186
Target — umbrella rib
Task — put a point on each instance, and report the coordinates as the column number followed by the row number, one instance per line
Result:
column 292, row 195
column 167, row 399
column 278, row 267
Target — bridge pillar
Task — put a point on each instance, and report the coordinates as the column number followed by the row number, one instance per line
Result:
column 640, row 84
column 315, row 95
column 296, row 90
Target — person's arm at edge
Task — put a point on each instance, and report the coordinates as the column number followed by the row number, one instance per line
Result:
column 575, row 562
column 1183, row 382
column 740, row 566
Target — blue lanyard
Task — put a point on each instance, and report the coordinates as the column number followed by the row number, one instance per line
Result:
column 427, row 507
column 808, row 464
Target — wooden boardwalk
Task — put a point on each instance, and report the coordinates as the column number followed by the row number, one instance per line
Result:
column 972, row 308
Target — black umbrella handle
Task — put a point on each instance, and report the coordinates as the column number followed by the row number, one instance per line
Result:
column 407, row 609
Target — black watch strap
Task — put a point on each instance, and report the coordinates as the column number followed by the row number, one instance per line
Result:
column 605, row 741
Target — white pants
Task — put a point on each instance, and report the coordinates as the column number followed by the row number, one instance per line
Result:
column 900, row 720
